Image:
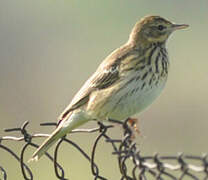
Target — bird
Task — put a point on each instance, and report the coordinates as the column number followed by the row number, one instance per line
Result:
column 124, row 84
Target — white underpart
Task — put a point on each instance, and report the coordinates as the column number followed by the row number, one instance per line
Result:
column 137, row 101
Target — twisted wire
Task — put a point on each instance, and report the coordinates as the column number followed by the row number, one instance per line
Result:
column 155, row 166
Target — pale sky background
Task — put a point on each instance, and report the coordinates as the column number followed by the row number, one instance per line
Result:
column 48, row 48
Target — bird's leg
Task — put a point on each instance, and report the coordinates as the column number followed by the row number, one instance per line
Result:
column 133, row 122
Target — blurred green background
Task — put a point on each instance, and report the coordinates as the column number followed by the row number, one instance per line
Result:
column 48, row 48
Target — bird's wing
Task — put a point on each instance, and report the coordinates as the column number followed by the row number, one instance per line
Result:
column 105, row 76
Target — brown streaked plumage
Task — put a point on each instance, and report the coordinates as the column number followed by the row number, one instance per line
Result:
column 125, row 83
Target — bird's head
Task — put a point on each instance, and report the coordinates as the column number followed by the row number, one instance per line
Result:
column 153, row 29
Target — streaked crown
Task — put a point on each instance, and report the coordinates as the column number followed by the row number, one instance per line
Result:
column 153, row 29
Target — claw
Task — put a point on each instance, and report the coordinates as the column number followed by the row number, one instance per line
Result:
column 133, row 123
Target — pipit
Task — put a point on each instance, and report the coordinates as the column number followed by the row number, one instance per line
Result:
column 124, row 84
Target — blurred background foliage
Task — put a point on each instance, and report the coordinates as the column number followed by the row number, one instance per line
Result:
column 48, row 48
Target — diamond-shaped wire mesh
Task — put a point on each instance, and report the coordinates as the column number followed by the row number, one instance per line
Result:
column 153, row 167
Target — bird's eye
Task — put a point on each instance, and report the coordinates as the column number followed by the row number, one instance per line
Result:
column 161, row 27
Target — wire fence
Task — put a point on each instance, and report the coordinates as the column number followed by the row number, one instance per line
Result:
column 154, row 167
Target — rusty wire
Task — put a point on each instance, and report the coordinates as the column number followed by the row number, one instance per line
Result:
column 125, row 149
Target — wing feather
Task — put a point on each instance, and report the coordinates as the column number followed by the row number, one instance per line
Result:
column 100, row 80
column 106, row 75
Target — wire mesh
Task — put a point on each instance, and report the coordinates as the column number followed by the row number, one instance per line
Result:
column 152, row 167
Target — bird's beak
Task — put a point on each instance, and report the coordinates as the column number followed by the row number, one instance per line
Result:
column 179, row 26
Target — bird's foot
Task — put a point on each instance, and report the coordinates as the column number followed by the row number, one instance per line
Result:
column 133, row 123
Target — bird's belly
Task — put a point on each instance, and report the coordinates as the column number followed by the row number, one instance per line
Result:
column 135, row 99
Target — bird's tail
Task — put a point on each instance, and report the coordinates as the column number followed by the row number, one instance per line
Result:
column 58, row 133
column 64, row 127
